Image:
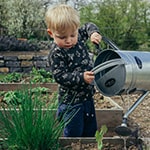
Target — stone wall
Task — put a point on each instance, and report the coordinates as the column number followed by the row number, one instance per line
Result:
column 23, row 61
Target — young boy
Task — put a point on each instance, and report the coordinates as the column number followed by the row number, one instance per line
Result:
column 71, row 67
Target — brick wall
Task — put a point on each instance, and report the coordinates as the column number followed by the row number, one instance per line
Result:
column 23, row 61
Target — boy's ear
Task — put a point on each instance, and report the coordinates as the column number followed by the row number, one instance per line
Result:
column 49, row 32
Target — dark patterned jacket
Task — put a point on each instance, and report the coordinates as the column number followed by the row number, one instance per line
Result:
column 68, row 66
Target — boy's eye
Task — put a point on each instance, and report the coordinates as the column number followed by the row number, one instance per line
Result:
column 61, row 37
column 73, row 35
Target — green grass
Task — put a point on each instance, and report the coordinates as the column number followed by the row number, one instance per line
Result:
column 29, row 127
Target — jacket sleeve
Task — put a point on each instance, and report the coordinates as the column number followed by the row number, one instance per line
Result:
column 87, row 29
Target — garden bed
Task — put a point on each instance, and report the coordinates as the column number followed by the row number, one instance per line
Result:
column 108, row 112
column 88, row 143
column 109, row 143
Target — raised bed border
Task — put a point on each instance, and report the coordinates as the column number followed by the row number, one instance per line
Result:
column 17, row 86
column 123, row 141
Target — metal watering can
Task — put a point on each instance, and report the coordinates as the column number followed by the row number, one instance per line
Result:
column 120, row 72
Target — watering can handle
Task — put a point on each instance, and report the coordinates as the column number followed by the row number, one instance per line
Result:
column 107, row 64
column 98, row 48
column 107, row 41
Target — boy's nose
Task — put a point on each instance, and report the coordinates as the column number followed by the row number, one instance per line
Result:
column 68, row 40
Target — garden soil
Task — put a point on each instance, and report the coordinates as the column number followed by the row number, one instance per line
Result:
column 138, row 120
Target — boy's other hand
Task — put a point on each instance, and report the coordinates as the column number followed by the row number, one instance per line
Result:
column 88, row 77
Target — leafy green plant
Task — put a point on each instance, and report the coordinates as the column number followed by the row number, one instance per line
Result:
column 44, row 94
column 29, row 127
column 12, row 97
column 40, row 90
column 41, row 75
column 99, row 136
column 35, row 76
column 12, row 77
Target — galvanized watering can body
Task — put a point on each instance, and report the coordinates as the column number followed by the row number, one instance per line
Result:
column 122, row 72
column 118, row 72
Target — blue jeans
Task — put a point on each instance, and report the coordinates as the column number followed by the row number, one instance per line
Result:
column 82, row 119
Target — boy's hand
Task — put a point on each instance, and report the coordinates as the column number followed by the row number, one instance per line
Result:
column 88, row 77
column 96, row 37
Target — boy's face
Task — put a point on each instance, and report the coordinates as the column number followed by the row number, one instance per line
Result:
column 65, row 40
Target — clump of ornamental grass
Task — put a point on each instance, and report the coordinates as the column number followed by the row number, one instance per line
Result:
column 29, row 126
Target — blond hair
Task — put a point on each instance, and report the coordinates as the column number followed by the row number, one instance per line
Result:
column 61, row 17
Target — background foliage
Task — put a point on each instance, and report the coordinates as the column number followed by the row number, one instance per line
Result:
column 23, row 18
column 127, row 23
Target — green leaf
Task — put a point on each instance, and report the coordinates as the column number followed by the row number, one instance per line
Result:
column 99, row 136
